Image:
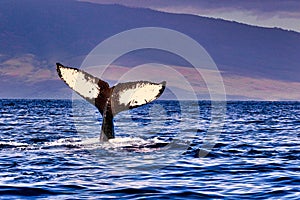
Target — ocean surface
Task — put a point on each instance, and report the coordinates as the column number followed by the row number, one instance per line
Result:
column 50, row 149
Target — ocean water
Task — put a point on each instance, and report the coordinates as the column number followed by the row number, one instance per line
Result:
column 50, row 149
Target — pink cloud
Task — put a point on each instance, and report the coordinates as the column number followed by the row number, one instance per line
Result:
column 240, row 86
column 25, row 68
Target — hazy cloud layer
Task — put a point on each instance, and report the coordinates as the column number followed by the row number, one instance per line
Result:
column 25, row 68
column 268, row 13
column 178, row 78
column 23, row 77
column 268, row 8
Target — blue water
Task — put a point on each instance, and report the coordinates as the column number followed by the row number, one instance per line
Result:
column 49, row 149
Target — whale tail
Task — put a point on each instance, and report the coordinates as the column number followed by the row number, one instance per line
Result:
column 109, row 100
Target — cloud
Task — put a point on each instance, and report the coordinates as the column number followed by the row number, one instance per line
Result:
column 25, row 68
column 26, row 76
column 27, row 80
column 185, row 82
column 269, row 13
column 261, row 88
column 289, row 8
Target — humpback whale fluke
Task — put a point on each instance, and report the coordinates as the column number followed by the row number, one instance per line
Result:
column 109, row 100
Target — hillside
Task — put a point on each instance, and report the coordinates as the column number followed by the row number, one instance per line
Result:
column 40, row 33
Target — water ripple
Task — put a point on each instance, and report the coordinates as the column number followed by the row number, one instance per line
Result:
column 49, row 151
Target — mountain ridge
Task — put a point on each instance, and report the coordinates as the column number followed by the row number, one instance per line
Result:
column 68, row 30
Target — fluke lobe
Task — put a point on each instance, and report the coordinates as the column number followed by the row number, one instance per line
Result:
column 109, row 100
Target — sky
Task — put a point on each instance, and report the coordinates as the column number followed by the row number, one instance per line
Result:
column 267, row 13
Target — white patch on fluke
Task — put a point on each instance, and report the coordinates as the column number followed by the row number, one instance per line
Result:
column 84, row 85
column 139, row 94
